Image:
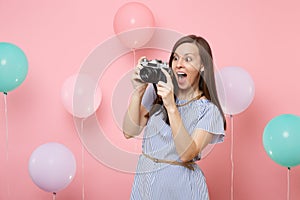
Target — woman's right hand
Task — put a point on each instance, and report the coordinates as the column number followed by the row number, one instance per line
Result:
column 136, row 81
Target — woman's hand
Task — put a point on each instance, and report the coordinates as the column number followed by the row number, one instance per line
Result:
column 166, row 91
column 136, row 81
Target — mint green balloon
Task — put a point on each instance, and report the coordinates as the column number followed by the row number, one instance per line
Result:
column 13, row 67
column 281, row 140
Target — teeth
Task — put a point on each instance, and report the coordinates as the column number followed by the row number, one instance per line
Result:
column 181, row 74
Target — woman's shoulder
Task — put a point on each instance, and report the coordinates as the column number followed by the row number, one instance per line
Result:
column 206, row 103
column 206, row 106
column 149, row 97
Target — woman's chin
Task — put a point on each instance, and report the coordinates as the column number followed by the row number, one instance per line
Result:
column 183, row 86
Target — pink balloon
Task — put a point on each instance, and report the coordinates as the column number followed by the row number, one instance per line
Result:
column 133, row 23
column 52, row 167
column 80, row 95
column 235, row 88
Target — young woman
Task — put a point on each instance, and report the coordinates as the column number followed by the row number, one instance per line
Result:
column 181, row 117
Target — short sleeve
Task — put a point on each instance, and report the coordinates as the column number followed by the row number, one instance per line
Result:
column 149, row 97
column 212, row 122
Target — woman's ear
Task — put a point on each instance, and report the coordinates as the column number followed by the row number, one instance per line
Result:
column 202, row 68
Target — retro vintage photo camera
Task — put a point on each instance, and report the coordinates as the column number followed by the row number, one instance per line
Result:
column 151, row 71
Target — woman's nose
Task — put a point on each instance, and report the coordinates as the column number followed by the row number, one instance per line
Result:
column 180, row 63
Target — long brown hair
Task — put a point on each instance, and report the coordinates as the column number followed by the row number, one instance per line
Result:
column 207, row 82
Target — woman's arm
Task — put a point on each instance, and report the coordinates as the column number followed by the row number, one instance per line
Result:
column 187, row 146
column 135, row 118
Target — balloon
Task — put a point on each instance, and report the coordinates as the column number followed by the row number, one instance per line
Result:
column 52, row 167
column 133, row 23
column 281, row 140
column 79, row 96
column 235, row 88
column 13, row 67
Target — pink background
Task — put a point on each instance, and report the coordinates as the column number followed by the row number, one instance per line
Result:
column 260, row 36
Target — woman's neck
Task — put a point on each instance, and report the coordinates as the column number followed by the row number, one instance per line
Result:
column 186, row 95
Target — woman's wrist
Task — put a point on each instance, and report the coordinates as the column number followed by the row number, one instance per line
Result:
column 172, row 108
column 139, row 92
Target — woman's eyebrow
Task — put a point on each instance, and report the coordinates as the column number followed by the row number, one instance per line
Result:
column 184, row 54
column 189, row 54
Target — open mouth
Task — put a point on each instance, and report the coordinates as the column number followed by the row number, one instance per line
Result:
column 181, row 75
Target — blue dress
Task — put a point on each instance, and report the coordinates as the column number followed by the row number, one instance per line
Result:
column 161, row 181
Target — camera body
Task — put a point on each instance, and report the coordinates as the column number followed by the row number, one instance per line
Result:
column 151, row 71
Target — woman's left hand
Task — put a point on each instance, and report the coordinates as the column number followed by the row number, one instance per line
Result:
column 166, row 90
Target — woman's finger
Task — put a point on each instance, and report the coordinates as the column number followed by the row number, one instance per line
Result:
column 140, row 60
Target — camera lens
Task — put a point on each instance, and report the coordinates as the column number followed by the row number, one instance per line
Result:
column 149, row 75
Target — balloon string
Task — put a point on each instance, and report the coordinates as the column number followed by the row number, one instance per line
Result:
column 6, row 142
column 231, row 156
column 6, row 124
column 82, row 161
column 133, row 51
column 53, row 196
column 288, row 183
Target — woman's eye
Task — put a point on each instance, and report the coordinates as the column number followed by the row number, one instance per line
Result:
column 175, row 58
column 188, row 59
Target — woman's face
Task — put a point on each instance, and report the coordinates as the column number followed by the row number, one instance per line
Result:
column 186, row 65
